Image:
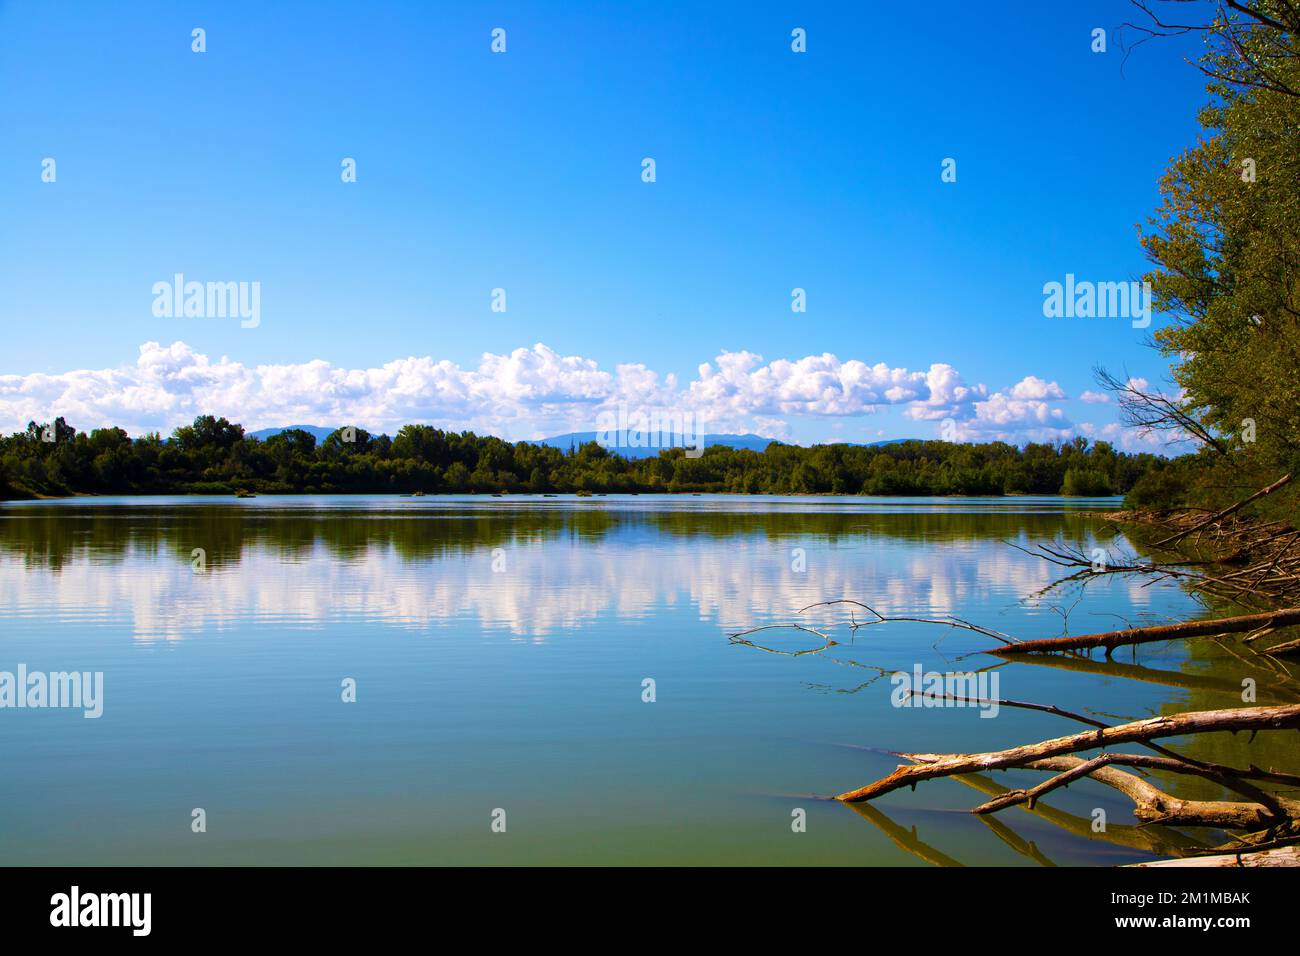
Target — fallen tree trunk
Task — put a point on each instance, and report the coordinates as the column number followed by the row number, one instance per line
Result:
column 1159, row 632
column 1145, row 837
column 1151, row 804
column 1283, row 856
column 1173, row 725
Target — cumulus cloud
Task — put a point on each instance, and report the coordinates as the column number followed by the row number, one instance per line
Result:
column 526, row 393
column 948, row 396
column 1003, row 417
column 737, row 383
column 169, row 385
column 1033, row 387
column 1095, row 398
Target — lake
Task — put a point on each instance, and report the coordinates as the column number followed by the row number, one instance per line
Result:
column 500, row 650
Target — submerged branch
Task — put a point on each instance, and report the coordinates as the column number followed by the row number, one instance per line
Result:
column 1157, row 806
column 956, row 622
column 1160, row 632
column 1174, row 725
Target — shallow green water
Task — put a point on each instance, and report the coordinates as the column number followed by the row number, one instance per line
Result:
column 499, row 648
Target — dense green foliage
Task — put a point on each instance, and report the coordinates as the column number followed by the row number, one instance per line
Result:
column 214, row 456
column 1225, row 242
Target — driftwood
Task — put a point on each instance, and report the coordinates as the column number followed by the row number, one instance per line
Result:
column 1174, row 538
column 1273, row 821
column 1256, row 625
column 1254, row 562
column 1149, row 838
column 1161, row 632
column 1152, row 805
column 878, row 618
column 1282, row 856
column 1140, row 731
column 1262, row 566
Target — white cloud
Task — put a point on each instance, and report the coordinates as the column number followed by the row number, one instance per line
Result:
column 1095, row 398
column 169, row 385
column 526, row 393
column 737, row 383
column 1033, row 387
column 1003, row 417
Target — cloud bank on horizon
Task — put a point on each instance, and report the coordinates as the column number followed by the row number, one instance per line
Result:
column 536, row 392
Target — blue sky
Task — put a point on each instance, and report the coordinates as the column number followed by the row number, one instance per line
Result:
column 522, row 171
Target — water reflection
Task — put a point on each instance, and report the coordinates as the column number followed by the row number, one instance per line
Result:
column 559, row 564
column 526, row 680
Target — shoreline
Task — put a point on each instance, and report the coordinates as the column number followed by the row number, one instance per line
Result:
column 557, row 494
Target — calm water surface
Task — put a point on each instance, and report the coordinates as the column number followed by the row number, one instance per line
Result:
column 499, row 648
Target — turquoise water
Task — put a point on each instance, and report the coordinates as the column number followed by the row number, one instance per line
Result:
column 499, row 648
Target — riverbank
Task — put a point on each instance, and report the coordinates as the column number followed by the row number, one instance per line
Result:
column 318, row 492
column 1254, row 562
column 1179, row 519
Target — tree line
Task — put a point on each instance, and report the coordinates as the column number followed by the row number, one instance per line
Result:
column 215, row 456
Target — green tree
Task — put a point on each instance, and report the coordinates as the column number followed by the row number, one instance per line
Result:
column 1225, row 243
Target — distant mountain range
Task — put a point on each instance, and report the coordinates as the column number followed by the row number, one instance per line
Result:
column 577, row 439
column 321, row 433
column 752, row 442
